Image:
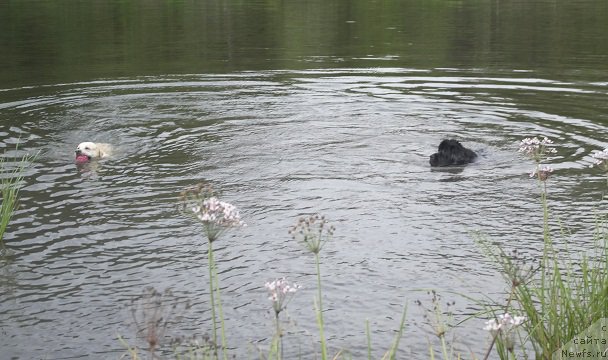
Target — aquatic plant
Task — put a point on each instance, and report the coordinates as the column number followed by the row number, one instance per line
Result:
column 551, row 299
column 537, row 149
column 11, row 180
column 314, row 232
column 542, row 173
column 440, row 321
column 600, row 160
column 503, row 329
column 391, row 354
column 280, row 293
column 152, row 313
column 560, row 296
column 216, row 217
column 517, row 270
column 193, row 348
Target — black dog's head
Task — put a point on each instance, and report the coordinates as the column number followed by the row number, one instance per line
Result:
column 451, row 152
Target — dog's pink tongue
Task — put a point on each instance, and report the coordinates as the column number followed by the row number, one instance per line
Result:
column 81, row 159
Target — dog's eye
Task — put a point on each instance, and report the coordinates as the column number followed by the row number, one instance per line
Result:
column 87, row 148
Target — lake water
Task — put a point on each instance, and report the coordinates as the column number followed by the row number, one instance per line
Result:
column 288, row 108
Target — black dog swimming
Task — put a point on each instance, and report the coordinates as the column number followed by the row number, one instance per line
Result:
column 451, row 152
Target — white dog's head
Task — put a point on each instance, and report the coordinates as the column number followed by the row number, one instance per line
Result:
column 87, row 151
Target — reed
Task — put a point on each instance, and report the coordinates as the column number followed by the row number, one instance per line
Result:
column 11, row 180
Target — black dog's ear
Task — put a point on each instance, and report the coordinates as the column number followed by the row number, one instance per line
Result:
column 443, row 146
column 433, row 160
column 451, row 146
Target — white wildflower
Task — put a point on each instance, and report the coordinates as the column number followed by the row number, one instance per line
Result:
column 280, row 292
column 537, row 149
column 503, row 328
column 504, row 323
column 219, row 212
column 600, row 159
column 215, row 215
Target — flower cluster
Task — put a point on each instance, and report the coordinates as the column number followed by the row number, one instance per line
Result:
column 600, row 159
column 503, row 327
column 438, row 317
column 218, row 213
column 313, row 231
column 504, row 323
column 542, row 172
column 153, row 313
column 280, row 292
column 215, row 215
column 518, row 270
column 537, row 149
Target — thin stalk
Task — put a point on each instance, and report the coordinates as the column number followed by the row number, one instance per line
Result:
column 495, row 335
column 320, row 310
column 546, row 239
column 212, row 293
column 279, row 336
column 132, row 351
column 369, row 340
column 273, row 352
column 393, row 351
column 431, row 351
column 444, row 349
column 221, row 313
column 491, row 346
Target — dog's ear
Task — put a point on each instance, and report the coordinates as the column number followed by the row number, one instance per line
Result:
column 450, row 146
column 433, row 159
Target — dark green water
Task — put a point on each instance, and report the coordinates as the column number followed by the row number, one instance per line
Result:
column 44, row 42
column 288, row 108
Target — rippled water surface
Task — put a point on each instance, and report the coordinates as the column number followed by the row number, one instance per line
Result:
column 352, row 144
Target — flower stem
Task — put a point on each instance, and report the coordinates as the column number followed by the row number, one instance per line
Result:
column 221, row 314
column 212, row 292
column 495, row 335
column 320, row 310
column 369, row 340
column 279, row 336
column 444, row 348
column 547, row 248
column 545, row 212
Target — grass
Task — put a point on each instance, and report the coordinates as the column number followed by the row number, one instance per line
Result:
column 563, row 294
column 11, row 180
column 560, row 297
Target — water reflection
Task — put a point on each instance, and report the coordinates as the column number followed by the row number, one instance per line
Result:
column 62, row 42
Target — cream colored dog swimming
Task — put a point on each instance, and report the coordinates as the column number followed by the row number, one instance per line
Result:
column 88, row 151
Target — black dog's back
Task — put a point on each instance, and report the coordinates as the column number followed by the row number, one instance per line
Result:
column 451, row 152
